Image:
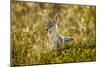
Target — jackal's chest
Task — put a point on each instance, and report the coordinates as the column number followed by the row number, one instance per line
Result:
column 53, row 36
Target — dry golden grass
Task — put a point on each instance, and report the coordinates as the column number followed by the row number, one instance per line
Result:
column 29, row 41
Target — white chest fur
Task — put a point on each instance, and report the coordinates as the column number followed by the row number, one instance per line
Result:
column 53, row 39
column 53, row 36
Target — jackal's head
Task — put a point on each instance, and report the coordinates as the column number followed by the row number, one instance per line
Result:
column 51, row 25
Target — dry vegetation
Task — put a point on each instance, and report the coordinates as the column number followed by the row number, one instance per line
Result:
column 29, row 41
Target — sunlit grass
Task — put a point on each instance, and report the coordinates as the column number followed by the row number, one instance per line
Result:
column 29, row 40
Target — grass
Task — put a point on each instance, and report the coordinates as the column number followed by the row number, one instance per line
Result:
column 29, row 40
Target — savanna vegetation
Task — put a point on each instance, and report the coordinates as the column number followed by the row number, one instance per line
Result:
column 29, row 40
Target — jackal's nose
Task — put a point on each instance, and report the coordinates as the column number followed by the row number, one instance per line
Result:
column 46, row 29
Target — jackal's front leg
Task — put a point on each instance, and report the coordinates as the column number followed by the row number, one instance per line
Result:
column 53, row 46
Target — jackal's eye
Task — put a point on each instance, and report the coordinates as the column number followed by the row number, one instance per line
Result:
column 50, row 25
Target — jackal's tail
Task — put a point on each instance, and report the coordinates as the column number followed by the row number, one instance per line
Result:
column 68, row 38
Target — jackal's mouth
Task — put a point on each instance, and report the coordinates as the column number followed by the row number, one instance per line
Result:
column 48, row 30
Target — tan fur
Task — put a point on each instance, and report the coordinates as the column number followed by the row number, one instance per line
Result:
column 54, row 36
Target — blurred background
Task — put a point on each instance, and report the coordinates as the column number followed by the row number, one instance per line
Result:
column 29, row 40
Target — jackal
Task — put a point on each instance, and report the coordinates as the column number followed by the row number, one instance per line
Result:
column 54, row 36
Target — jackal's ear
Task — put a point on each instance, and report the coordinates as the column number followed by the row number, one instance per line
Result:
column 46, row 19
column 55, row 19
